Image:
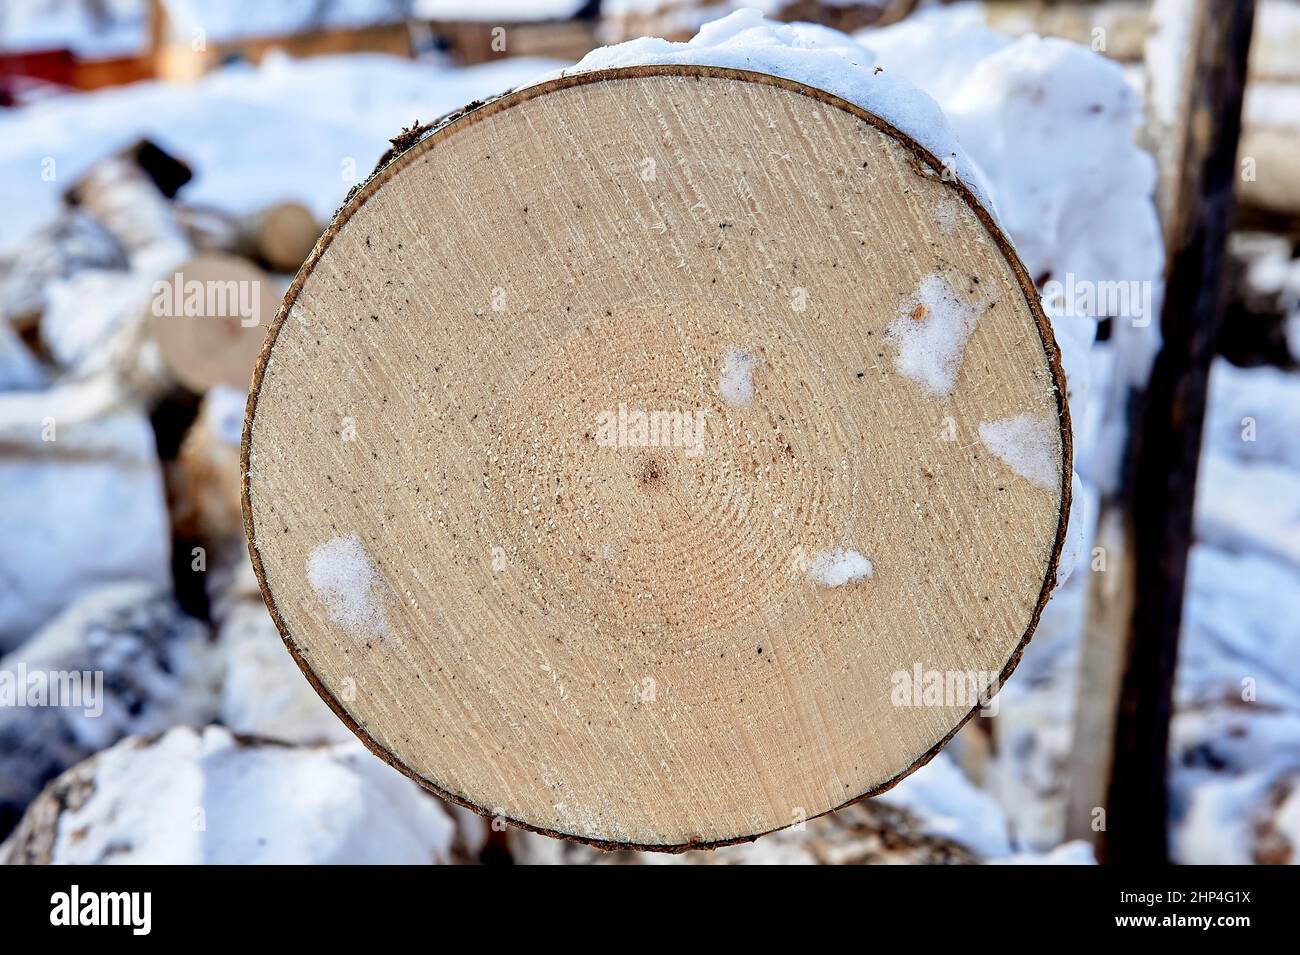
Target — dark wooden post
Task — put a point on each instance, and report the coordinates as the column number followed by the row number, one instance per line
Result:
column 1165, row 443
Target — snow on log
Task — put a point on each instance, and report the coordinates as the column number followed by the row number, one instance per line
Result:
column 122, row 660
column 125, row 199
column 262, row 692
column 490, row 416
column 208, row 796
column 73, row 242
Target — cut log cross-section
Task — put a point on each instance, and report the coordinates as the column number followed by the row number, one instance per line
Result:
column 209, row 318
column 635, row 449
column 281, row 235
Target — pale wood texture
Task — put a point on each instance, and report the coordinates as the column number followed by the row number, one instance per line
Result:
column 623, row 644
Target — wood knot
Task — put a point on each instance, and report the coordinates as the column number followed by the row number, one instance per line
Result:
column 650, row 473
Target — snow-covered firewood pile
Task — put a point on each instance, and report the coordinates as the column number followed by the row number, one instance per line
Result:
column 149, row 711
column 681, row 19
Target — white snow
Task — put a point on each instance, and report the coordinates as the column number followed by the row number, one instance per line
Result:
column 225, row 408
column 19, row 369
column 1078, row 530
column 156, row 660
column 837, row 567
column 1220, row 821
column 346, row 580
column 155, row 669
column 1222, row 811
column 1050, row 126
column 1249, row 507
column 203, row 796
column 806, row 53
column 736, row 384
column 1077, row 852
column 1242, row 621
column 1026, row 444
column 82, row 510
column 949, row 805
column 1254, row 414
column 262, row 691
column 930, row 333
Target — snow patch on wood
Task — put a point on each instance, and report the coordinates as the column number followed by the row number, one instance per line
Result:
column 837, row 567
column 736, row 386
column 1025, row 444
column 930, row 333
column 346, row 580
